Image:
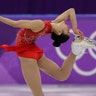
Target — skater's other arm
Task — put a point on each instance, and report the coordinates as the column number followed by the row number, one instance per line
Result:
column 31, row 24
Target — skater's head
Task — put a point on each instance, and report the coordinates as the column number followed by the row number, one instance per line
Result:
column 59, row 39
column 61, row 27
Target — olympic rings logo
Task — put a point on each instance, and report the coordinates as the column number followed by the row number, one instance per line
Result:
column 75, row 67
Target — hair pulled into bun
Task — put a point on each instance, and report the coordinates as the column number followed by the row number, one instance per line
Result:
column 58, row 39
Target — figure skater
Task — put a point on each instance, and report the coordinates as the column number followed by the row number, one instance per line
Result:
column 33, row 58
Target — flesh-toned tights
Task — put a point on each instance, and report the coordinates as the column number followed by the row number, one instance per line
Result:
column 31, row 71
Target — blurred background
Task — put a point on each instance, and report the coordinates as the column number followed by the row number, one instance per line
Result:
column 46, row 6
column 84, row 71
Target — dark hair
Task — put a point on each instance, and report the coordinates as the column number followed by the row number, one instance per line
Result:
column 58, row 39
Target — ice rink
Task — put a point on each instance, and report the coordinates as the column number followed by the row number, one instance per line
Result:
column 50, row 90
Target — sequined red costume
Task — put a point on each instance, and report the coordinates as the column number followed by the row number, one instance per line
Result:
column 25, row 42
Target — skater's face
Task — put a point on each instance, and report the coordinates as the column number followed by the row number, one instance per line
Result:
column 62, row 28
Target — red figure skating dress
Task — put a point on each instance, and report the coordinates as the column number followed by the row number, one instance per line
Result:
column 25, row 42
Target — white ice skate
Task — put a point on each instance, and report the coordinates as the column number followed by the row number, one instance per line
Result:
column 79, row 46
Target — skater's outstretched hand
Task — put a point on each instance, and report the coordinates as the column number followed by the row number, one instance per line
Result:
column 78, row 32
